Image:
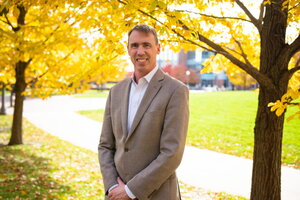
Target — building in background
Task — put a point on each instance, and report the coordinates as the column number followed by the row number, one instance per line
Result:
column 186, row 66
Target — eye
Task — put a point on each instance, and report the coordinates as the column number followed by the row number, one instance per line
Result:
column 147, row 45
column 134, row 45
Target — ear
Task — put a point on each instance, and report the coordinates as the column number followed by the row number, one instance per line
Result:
column 158, row 48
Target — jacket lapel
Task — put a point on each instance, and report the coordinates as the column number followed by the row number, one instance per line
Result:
column 153, row 87
column 124, row 107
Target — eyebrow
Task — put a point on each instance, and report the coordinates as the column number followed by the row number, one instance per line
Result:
column 143, row 43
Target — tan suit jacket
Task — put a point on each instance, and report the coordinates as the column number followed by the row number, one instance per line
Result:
column 146, row 157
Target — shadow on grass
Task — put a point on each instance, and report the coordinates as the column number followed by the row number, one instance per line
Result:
column 25, row 175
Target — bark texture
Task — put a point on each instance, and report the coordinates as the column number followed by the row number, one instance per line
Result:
column 266, row 176
column 16, row 134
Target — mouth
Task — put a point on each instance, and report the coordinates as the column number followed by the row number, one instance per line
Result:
column 141, row 59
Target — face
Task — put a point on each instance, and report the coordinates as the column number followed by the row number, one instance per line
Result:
column 142, row 50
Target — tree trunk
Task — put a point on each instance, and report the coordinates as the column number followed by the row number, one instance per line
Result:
column 2, row 110
column 16, row 134
column 268, row 131
column 266, row 175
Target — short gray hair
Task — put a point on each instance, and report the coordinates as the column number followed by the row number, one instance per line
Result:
column 145, row 29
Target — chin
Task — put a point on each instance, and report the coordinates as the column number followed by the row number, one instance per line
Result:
column 139, row 65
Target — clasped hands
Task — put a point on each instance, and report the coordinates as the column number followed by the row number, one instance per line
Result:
column 118, row 193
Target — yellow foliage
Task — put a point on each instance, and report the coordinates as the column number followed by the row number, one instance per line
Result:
column 66, row 46
column 287, row 99
column 278, row 106
column 73, row 42
column 222, row 22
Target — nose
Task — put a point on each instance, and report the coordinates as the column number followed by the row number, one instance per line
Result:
column 140, row 50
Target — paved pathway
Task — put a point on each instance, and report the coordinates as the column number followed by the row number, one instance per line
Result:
column 201, row 168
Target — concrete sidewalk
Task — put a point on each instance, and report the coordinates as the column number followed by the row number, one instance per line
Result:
column 201, row 168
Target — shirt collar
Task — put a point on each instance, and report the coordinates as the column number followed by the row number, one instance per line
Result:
column 148, row 76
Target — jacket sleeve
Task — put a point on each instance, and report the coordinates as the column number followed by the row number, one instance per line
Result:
column 106, row 149
column 172, row 144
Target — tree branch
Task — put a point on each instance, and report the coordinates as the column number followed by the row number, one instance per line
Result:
column 4, row 22
column 56, row 28
column 35, row 79
column 21, row 17
column 261, row 15
column 67, row 56
column 249, row 14
column 189, row 42
column 155, row 19
column 295, row 46
column 288, row 74
column 294, row 104
column 243, row 53
column 213, row 16
column 50, row 35
column 15, row 29
column 287, row 52
column 263, row 80
column 297, row 4
column 293, row 70
column 248, row 67
column 233, row 50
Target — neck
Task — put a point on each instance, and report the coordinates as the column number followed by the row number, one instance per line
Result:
column 137, row 76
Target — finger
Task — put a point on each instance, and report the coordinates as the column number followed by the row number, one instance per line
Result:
column 120, row 181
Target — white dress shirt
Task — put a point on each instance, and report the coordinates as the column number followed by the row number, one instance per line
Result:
column 136, row 94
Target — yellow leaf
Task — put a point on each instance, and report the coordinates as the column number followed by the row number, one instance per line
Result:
column 284, row 98
column 267, row 2
column 274, row 108
column 279, row 111
column 271, row 104
column 290, row 117
column 294, row 94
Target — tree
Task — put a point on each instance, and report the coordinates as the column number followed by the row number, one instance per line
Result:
column 254, row 42
column 48, row 50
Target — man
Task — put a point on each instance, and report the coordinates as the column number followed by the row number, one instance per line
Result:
column 144, row 128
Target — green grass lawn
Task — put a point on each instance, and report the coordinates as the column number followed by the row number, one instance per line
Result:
column 93, row 114
column 46, row 167
column 224, row 122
